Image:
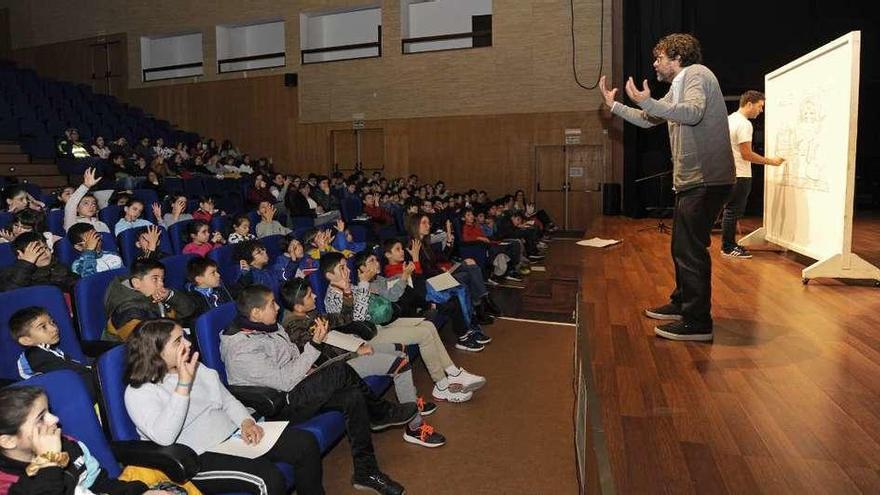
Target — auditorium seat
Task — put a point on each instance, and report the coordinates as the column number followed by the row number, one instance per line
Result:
column 52, row 300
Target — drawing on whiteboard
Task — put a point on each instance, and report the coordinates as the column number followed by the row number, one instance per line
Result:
column 799, row 142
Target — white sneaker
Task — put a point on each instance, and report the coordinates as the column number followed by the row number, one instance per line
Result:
column 468, row 381
column 448, row 395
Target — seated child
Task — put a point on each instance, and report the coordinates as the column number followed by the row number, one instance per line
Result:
column 132, row 217
column 36, row 458
column 301, row 321
column 88, row 241
column 148, row 244
column 35, row 266
column 241, row 229
column 206, row 210
column 268, row 225
column 470, row 336
column 201, row 240
column 204, row 286
column 28, row 220
column 142, row 295
column 287, row 264
column 254, row 263
column 83, row 206
column 177, row 213
column 257, row 352
column 173, row 400
column 451, row 383
column 503, row 257
column 35, row 330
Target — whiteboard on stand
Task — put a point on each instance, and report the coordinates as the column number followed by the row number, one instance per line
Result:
column 811, row 120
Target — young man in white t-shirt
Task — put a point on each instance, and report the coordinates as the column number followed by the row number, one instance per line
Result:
column 751, row 104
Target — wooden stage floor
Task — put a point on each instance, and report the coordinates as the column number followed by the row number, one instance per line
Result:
column 786, row 399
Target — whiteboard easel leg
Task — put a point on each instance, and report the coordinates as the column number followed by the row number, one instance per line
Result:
column 842, row 266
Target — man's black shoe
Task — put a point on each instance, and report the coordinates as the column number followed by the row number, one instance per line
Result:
column 377, row 482
column 397, row 414
column 681, row 330
column 666, row 312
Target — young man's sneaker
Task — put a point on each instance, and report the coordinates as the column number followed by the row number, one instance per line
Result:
column 469, row 382
column 666, row 312
column 447, row 395
column 426, row 408
column 481, row 337
column 397, row 414
column 681, row 330
column 492, row 282
column 737, row 252
column 377, row 482
column 536, row 257
column 424, row 435
column 468, row 342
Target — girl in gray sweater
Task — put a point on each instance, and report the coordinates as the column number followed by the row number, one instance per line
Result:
column 172, row 400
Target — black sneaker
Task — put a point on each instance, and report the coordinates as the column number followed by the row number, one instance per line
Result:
column 536, row 257
column 426, row 408
column 469, row 343
column 666, row 312
column 397, row 414
column 681, row 330
column 737, row 252
column 377, row 482
column 424, row 435
column 481, row 337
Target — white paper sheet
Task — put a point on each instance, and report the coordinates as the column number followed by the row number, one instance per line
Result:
column 234, row 445
column 597, row 242
column 443, row 281
column 343, row 340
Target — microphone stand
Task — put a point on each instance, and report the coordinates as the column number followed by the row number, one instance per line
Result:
column 662, row 208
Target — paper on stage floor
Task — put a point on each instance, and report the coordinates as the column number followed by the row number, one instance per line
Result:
column 343, row 340
column 443, row 281
column 234, row 445
column 597, row 242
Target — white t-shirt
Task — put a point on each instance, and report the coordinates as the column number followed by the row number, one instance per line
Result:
column 740, row 132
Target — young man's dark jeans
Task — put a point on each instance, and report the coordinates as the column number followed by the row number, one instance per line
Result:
column 339, row 388
column 695, row 212
column 733, row 211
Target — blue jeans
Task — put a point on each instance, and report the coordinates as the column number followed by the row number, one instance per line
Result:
column 733, row 211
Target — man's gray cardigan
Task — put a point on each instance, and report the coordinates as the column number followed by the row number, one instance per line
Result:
column 698, row 130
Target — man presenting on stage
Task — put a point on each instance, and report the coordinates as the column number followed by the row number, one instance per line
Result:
column 703, row 173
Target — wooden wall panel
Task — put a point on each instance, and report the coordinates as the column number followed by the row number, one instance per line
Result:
column 495, row 152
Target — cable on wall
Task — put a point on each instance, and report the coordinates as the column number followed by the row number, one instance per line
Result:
column 601, row 47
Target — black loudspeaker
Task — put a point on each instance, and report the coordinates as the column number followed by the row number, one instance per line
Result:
column 291, row 79
column 610, row 198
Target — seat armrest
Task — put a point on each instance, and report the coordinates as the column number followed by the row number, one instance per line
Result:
column 178, row 462
column 265, row 401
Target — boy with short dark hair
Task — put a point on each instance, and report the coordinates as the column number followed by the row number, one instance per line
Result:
column 204, row 286
column 35, row 266
column 254, row 264
column 142, row 295
column 258, row 353
column 85, row 239
column 35, row 330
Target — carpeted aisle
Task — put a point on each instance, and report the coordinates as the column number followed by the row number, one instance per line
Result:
column 514, row 437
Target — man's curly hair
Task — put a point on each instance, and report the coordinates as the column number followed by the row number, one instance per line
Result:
column 681, row 45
